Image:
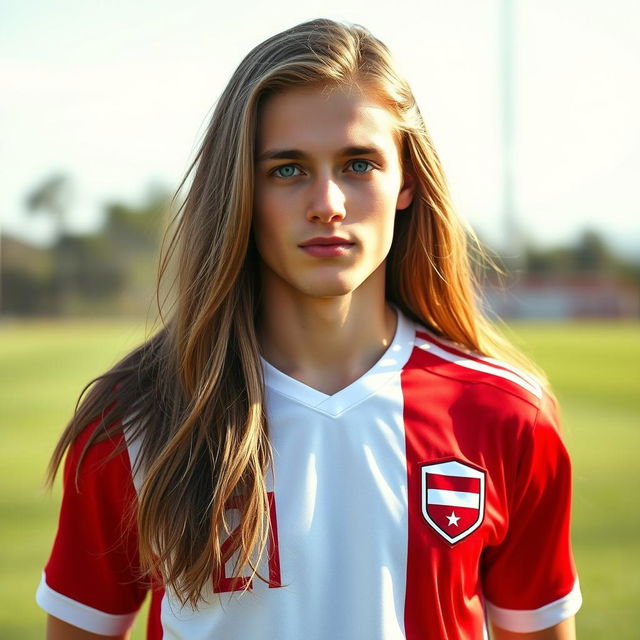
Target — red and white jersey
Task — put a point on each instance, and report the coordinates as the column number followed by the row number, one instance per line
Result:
column 431, row 494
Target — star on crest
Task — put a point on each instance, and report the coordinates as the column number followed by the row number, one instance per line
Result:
column 453, row 519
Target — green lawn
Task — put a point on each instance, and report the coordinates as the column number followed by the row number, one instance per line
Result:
column 43, row 367
column 593, row 368
column 595, row 372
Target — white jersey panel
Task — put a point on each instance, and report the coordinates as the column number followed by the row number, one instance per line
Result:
column 347, row 510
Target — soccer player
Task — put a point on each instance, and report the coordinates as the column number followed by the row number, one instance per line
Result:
column 326, row 440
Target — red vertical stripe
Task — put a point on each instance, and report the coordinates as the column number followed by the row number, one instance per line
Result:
column 442, row 598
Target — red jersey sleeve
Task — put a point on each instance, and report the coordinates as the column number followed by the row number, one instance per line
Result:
column 92, row 579
column 529, row 580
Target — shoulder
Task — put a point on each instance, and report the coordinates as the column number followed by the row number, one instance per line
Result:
column 98, row 454
column 488, row 390
column 441, row 357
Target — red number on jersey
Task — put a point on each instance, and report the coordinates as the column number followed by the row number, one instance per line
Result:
column 223, row 583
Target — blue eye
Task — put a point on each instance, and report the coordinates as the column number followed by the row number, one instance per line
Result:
column 361, row 166
column 286, row 171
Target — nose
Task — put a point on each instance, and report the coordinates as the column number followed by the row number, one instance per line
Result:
column 327, row 203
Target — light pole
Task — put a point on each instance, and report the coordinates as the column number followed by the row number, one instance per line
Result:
column 513, row 245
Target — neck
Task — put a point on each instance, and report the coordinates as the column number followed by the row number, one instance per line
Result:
column 326, row 343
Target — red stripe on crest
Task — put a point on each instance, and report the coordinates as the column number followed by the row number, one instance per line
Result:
column 453, row 483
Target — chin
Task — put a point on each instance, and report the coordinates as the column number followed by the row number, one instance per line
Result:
column 329, row 292
column 329, row 289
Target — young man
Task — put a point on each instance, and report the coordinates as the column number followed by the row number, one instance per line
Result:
column 314, row 446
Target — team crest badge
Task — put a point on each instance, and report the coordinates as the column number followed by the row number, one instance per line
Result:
column 453, row 498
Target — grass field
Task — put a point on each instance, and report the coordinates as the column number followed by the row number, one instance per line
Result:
column 594, row 369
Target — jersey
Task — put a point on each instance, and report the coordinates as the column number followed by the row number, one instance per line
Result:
column 427, row 497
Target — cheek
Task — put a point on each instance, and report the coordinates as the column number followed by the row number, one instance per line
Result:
column 265, row 214
column 265, row 237
column 379, row 208
column 381, row 215
column 270, row 229
column 385, row 192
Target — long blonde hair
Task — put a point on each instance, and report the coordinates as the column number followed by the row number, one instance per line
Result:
column 193, row 393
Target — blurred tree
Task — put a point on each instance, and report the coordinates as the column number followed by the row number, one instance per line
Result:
column 136, row 227
column 93, row 270
column 53, row 197
column 26, row 277
column 111, row 271
column 133, row 235
column 590, row 255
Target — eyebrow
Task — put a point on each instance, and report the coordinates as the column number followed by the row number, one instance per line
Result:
column 296, row 154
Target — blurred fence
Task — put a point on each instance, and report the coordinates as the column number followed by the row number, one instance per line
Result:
column 565, row 297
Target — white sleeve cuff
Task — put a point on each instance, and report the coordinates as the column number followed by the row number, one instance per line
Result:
column 526, row 621
column 81, row 615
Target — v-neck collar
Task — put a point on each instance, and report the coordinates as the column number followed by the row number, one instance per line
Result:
column 391, row 361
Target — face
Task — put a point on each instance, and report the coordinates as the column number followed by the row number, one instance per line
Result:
column 328, row 183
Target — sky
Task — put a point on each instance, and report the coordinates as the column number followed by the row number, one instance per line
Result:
column 117, row 95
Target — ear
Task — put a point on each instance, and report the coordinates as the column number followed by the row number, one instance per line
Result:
column 407, row 190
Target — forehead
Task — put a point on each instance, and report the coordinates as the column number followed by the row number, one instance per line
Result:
column 321, row 119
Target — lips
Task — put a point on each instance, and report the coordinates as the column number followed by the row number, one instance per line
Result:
column 326, row 247
column 325, row 242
